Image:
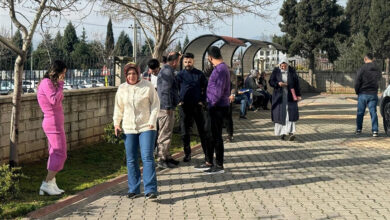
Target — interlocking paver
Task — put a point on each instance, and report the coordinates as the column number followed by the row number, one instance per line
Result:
column 327, row 173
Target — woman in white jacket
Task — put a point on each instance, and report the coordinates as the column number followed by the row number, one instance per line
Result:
column 137, row 106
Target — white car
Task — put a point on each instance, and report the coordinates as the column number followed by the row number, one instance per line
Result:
column 385, row 109
column 6, row 87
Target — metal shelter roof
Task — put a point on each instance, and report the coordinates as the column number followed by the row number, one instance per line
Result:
column 199, row 46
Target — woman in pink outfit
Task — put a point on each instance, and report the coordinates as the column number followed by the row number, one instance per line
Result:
column 50, row 95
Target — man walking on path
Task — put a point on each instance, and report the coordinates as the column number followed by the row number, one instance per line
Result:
column 168, row 93
column 192, row 93
column 366, row 87
column 218, row 92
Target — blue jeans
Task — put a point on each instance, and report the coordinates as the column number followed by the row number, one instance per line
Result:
column 144, row 141
column 370, row 101
column 243, row 100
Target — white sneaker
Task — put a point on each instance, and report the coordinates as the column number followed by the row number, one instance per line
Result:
column 55, row 186
column 48, row 188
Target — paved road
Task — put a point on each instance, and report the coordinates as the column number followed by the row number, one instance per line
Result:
column 328, row 173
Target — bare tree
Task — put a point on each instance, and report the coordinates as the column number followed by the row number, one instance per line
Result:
column 42, row 11
column 164, row 18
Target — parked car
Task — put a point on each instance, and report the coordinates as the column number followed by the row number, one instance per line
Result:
column 385, row 109
column 6, row 87
column 28, row 86
column 97, row 83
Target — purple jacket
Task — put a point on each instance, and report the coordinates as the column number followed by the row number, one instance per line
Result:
column 218, row 89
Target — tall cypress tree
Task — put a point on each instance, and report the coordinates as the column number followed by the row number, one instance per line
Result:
column 123, row 46
column 69, row 40
column 109, row 44
column 186, row 42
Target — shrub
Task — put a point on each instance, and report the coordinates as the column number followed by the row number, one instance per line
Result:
column 9, row 182
column 109, row 134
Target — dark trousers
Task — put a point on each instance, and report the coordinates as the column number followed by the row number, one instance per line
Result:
column 266, row 99
column 189, row 114
column 229, row 120
column 217, row 115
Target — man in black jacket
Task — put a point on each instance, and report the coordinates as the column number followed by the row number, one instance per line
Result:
column 366, row 87
column 192, row 98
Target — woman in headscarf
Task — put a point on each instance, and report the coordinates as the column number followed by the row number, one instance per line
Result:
column 137, row 106
column 285, row 97
column 250, row 83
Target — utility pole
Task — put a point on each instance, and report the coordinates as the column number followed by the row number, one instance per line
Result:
column 135, row 45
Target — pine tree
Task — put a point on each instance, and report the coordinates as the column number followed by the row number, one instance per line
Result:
column 312, row 26
column 83, row 36
column 145, row 50
column 69, row 40
column 109, row 44
column 178, row 47
column 357, row 13
column 379, row 33
column 17, row 39
column 123, row 46
column 186, row 42
column 57, row 49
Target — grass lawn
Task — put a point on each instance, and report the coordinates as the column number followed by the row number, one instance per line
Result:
column 83, row 169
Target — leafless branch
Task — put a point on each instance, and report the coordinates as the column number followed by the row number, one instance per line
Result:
column 11, row 46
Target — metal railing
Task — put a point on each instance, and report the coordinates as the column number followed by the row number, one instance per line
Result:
column 82, row 73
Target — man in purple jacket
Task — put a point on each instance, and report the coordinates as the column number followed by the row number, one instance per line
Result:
column 218, row 92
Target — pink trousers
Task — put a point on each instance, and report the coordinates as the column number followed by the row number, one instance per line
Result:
column 57, row 151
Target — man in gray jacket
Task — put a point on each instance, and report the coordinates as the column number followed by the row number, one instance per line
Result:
column 167, row 90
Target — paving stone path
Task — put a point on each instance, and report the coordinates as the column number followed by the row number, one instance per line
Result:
column 327, row 173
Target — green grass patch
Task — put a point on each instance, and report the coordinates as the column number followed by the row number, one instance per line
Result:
column 84, row 168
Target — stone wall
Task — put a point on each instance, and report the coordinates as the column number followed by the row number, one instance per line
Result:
column 86, row 111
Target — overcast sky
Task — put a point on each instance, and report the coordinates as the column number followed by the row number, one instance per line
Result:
column 246, row 26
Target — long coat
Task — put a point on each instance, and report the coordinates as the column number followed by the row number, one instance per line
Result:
column 277, row 96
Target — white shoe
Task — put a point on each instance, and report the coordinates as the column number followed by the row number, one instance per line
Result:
column 55, row 186
column 48, row 188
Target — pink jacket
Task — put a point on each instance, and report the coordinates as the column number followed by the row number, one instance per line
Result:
column 50, row 101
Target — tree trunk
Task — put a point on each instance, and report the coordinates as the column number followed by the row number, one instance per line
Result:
column 15, row 115
column 311, row 69
column 162, row 42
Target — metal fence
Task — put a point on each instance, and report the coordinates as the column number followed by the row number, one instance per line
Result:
column 340, row 66
column 82, row 73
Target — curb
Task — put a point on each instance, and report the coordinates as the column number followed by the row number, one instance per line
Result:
column 91, row 194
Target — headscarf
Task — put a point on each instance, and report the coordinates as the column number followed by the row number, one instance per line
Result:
column 134, row 66
column 253, row 73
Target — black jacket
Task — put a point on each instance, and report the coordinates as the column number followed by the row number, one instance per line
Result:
column 367, row 79
column 278, row 113
column 192, row 86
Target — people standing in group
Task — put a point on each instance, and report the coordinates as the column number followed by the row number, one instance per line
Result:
column 192, row 100
column 50, row 96
column 169, row 98
column 218, row 92
column 152, row 72
column 285, row 97
column 262, row 82
column 366, row 87
column 137, row 106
